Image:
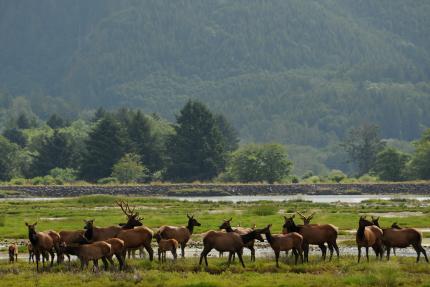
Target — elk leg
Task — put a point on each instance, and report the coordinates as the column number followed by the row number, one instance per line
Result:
column 388, row 253
column 394, row 251
column 204, row 254
column 306, row 251
column 296, row 256
column 141, row 252
column 359, row 254
column 336, row 248
column 252, row 253
column 323, row 250
column 159, row 254
column 109, row 258
column 37, row 260
column 175, row 255
column 330, row 247
column 183, row 250
column 95, row 265
column 367, row 253
column 424, row 253
column 277, row 257
column 220, row 254
column 417, row 249
column 149, row 250
column 239, row 254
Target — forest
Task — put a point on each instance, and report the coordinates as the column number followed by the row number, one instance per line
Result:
column 300, row 73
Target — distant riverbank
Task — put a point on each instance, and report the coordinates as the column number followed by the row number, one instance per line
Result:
column 190, row 190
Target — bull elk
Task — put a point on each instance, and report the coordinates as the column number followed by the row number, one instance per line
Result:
column 368, row 235
column 285, row 242
column 165, row 245
column 231, row 242
column 181, row 234
column 13, row 253
column 241, row 230
column 396, row 237
column 42, row 243
column 314, row 234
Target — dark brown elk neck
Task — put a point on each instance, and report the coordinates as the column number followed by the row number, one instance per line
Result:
column 32, row 236
column 249, row 236
column 269, row 237
column 229, row 229
column 190, row 227
column 89, row 233
column 360, row 232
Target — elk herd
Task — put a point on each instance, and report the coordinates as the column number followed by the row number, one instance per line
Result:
column 94, row 243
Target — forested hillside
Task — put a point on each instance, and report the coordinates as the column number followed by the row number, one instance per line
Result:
column 297, row 72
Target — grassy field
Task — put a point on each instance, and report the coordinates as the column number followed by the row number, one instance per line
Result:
column 68, row 214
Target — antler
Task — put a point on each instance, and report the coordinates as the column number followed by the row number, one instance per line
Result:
column 311, row 216
column 126, row 209
column 301, row 215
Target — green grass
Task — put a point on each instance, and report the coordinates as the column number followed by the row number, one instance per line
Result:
column 344, row 272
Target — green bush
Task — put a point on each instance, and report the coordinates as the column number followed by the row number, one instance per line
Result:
column 18, row 181
column 63, row 174
column 108, row 180
column 263, row 210
column 44, row 180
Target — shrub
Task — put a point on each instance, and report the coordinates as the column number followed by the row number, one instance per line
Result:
column 129, row 169
column 18, row 181
column 337, row 175
column 263, row 210
column 63, row 174
column 368, row 178
column 108, row 180
column 294, row 179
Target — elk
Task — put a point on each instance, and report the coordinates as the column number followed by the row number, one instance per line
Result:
column 13, row 253
column 314, row 234
column 132, row 237
column 30, row 252
column 368, row 235
column 181, row 234
column 131, row 253
column 285, row 242
column 231, row 242
column 241, row 230
column 42, row 243
column 69, row 237
column 90, row 252
column 165, row 245
column 396, row 237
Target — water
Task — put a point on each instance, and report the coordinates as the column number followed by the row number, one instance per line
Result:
column 313, row 198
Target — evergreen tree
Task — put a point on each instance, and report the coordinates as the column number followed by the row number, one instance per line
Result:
column 104, row 147
column 421, row 159
column 390, row 164
column 197, row 150
column 23, row 122
column 230, row 135
column 362, row 145
column 54, row 151
column 99, row 114
column 16, row 136
column 56, row 122
column 144, row 143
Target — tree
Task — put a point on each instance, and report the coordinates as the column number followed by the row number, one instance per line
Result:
column 143, row 142
column 129, row 169
column 257, row 163
column 390, row 164
column 337, row 175
column 104, row 147
column 23, row 122
column 228, row 132
column 420, row 164
column 8, row 155
column 55, row 151
column 362, row 145
column 56, row 122
column 16, row 136
column 197, row 150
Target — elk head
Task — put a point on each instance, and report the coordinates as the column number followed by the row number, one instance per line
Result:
column 363, row 222
column 306, row 220
column 226, row 224
column 375, row 221
column 192, row 221
column 289, row 225
column 395, row 226
column 133, row 218
column 89, row 224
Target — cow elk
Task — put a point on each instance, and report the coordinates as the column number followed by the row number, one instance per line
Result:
column 70, row 237
column 181, row 234
column 314, row 234
column 13, row 253
column 368, row 235
column 285, row 242
column 241, row 231
column 90, row 252
column 165, row 245
column 231, row 242
column 396, row 237
column 42, row 243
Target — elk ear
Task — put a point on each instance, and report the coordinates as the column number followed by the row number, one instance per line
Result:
column 292, row 216
column 231, row 218
column 35, row 223
column 26, row 224
column 286, row 219
column 188, row 216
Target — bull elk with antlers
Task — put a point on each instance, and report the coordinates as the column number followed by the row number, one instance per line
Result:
column 396, row 237
column 181, row 234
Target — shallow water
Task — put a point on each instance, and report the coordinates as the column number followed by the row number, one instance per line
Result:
column 313, row 198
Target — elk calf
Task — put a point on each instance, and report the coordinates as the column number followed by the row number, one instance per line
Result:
column 285, row 242
column 30, row 252
column 13, row 253
column 90, row 252
column 165, row 245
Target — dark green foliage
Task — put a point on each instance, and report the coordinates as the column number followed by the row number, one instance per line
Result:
column 23, row 122
column 197, row 150
column 362, row 145
column 55, row 152
column 16, row 136
column 104, row 147
column 258, row 163
column 55, row 121
column 390, row 164
column 421, row 159
column 230, row 135
column 8, row 154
